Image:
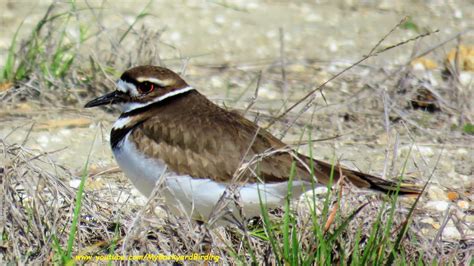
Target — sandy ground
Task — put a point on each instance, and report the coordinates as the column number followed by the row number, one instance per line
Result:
column 224, row 45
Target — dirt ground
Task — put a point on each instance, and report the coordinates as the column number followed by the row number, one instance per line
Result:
column 366, row 117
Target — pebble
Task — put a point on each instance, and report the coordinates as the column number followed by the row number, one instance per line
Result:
column 469, row 218
column 220, row 19
column 436, row 193
column 463, row 204
column 426, row 151
column 452, row 196
column 43, row 140
column 427, row 220
column 216, row 82
column 437, row 205
column 175, row 36
column 466, row 78
column 320, row 190
column 75, row 183
column 463, row 168
column 268, row 93
column 451, row 232
column 65, row 132
column 458, row 14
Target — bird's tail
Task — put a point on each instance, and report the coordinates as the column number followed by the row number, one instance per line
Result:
column 362, row 180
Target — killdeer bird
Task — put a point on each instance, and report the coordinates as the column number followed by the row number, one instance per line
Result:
column 168, row 128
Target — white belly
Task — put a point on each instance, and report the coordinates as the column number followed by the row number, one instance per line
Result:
column 196, row 197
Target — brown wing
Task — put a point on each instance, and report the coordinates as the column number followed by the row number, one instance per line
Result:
column 196, row 137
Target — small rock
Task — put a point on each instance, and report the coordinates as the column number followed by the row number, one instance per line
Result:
column 463, row 204
column 469, row 218
column 175, row 36
column 437, row 205
column 216, row 82
column 426, row 151
column 451, row 232
column 437, row 193
column 219, row 19
column 458, row 14
column 95, row 183
column 320, row 190
column 423, row 63
column 313, row 18
column 452, row 196
column 427, row 220
column 75, row 183
column 464, row 168
column 425, row 231
column 65, row 132
column 43, row 140
column 268, row 93
column 298, row 68
column 466, row 78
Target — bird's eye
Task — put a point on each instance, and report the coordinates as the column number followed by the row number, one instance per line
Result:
column 146, row 87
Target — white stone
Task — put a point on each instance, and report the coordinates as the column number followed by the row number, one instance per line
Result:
column 43, row 140
column 437, row 193
column 458, row 13
column 451, row 232
column 216, row 82
column 427, row 220
column 175, row 36
column 75, row 183
column 65, row 132
column 268, row 93
column 219, row 19
column 463, row 204
column 437, row 205
column 426, row 151
column 466, row 78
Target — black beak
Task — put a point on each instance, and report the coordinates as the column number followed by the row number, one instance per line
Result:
column 109, row 98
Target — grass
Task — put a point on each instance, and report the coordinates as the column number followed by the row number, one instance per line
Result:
column 55, row 61
column 45, row 216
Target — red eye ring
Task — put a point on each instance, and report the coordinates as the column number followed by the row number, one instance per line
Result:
column 146, row 87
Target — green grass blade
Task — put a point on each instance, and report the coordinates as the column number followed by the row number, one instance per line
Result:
column 141, row 15
column 77, row 207
column 268, row 227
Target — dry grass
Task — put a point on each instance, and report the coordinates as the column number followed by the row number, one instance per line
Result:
column 37, row 206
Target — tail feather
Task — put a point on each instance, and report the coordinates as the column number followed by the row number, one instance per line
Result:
column 363, row 180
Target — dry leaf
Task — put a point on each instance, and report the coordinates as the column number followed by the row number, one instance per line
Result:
column 465, row 56
column 452, row 196
column 5, row 86
column 424, row 62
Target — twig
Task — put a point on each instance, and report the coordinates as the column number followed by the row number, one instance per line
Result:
column 371, row 54
column 255, row 94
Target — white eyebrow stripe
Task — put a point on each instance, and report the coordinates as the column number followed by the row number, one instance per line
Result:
column 160, row 82
column 125, row 87
column 152, row 80
column 127, row 107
